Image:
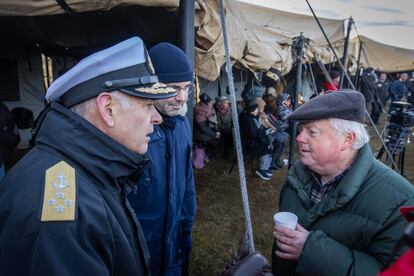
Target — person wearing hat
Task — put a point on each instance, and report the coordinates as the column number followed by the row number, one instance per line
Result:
column 64, row 207
column 164, row 201
column 347, row 202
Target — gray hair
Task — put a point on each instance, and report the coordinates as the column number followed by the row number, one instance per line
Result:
column 404, row 75
column 87, row 107
column 345, row 126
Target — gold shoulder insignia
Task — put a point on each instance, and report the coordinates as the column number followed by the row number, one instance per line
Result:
column 59, row 198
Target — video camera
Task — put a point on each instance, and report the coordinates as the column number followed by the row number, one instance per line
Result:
column 402, row 114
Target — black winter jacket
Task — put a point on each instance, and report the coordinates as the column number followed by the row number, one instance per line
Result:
column 104, row 238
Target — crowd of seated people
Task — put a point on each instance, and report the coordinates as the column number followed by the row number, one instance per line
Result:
column 263, row 128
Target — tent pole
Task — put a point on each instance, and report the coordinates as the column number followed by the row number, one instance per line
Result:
column 297, row 92
column 344, row 58
column 358, row 62
column 186, row 38
column 353, row 87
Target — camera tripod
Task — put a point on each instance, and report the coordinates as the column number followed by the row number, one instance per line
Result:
column 395, row 142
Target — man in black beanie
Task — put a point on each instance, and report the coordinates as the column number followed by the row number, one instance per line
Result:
column 164, row 201
column 347, row 202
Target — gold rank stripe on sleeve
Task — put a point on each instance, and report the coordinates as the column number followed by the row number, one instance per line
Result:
column 59, row 199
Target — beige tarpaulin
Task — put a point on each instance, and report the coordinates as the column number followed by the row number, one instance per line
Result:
column 245, row 47
column 259, row 37
column 50, row 7
column 381, row 56
column 276, row 28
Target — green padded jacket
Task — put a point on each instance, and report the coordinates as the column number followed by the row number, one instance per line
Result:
column 354, row 229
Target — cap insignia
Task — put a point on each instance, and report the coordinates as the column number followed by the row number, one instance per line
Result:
column 157, row 88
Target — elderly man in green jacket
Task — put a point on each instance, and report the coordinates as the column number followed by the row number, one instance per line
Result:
column 347, row 202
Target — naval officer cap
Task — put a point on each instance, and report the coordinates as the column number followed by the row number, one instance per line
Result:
column 123, row 67
column 341, row 104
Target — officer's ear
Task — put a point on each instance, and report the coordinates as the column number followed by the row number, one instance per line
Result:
column 105, row 107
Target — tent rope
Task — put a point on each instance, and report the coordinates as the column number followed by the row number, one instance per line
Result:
column 353, row 87
column 236, row 134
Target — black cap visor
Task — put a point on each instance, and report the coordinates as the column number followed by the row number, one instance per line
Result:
column 135, row 81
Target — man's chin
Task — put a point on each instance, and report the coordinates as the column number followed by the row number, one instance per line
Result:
column 172, row 113
column 142, row 149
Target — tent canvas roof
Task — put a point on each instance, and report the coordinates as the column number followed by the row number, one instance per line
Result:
column 51, row 7
column 258, row 42
column 276, row 25
column 381, row 56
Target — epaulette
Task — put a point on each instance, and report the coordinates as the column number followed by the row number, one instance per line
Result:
column 59, row 197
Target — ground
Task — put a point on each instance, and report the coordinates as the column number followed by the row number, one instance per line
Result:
column 219, row 223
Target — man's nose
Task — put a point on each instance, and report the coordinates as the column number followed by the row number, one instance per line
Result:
column 181, row 97
column 156, row 118
column 300, row 138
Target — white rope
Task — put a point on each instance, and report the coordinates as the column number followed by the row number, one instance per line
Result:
column 236, row 134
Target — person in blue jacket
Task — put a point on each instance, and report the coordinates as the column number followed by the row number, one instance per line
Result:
column 164, row 200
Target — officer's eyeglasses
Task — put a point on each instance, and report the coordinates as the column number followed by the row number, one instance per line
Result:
column 186, row 90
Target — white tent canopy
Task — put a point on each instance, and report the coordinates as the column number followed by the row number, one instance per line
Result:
column 259, row 37
column 382, row 57
column 280, row 26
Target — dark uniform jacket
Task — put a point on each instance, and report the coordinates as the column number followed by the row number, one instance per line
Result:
column 354, row 229
column 398, row 90
column 383, row 90
column 164, row 201
column 368, row 88
column 104, row 237
column 9, row 136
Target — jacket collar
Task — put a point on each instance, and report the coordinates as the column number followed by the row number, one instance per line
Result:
column 79, row 142
column 300, row 179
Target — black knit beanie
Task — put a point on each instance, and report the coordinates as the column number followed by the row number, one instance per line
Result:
column 170, row 63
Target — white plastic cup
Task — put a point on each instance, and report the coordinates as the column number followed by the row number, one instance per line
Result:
column 286, row 219
column 285, row 162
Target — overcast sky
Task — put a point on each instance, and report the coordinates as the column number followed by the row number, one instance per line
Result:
column 386, row 21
